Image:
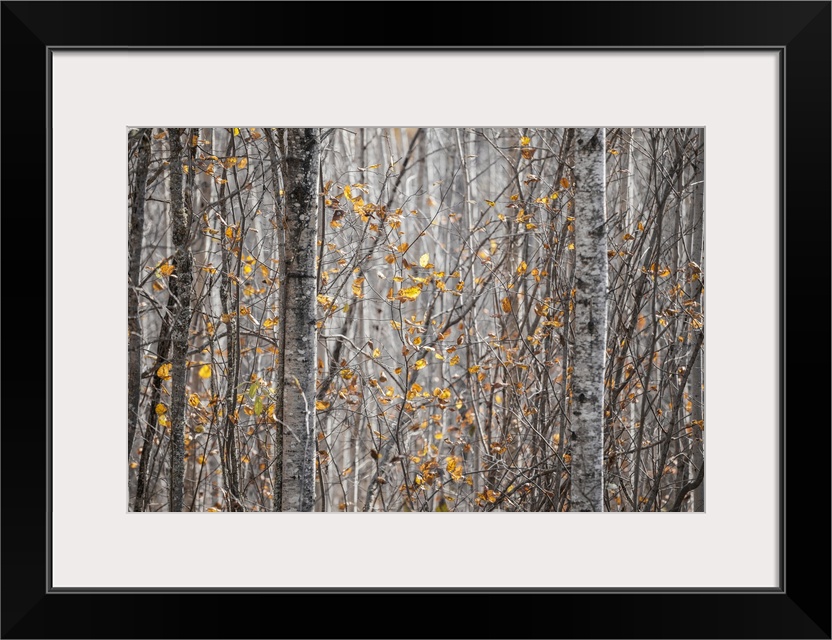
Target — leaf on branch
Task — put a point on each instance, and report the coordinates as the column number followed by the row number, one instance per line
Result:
column 410, row 293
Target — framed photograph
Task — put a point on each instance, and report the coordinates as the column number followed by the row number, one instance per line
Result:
column 82, row 80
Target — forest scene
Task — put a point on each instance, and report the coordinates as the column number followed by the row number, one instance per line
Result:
column 415, row 319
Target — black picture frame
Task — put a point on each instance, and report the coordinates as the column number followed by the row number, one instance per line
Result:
column 799, row 608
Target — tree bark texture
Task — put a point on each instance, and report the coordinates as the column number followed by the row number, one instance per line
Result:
column 299, row 350
column 590, row 320
column 180, row 289
column 134, row 362
column 697, row 379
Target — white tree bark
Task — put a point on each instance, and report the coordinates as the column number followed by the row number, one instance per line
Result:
column 590, row 320
column 301, row 191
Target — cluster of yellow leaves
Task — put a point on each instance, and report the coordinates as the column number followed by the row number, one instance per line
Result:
column 656, row 270
column 165, row 269
column 486, row 497
column 428, row 472
column 454, row 466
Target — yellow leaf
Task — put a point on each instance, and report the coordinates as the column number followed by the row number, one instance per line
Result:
column 164, row 371
column 346, row 374
column 506, row 304
column 163, row 420
column 474, row 369
column 420, row 364
column 201, row 460
column 242, row 163
column 525, row 140
column 166, row 269
column 356, row 287
column 160, row 409
column 236, row 131
column 424, row 260
column 348, row 192
column 376, row 352
column 411, row 293
column 490, row 203
column 571, row 246
column 205, row 371
column 454, row 360
column 320, row 405
column 268, row 323
column 522, row 268
column 193, row 400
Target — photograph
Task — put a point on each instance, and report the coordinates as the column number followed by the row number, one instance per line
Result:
column 411, row 319
column 380, row 268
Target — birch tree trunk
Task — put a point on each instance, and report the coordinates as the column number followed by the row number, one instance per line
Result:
column 697, row 380
column 301, row 191
column 134, row 367
column 589, row 359
column 180, row 289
